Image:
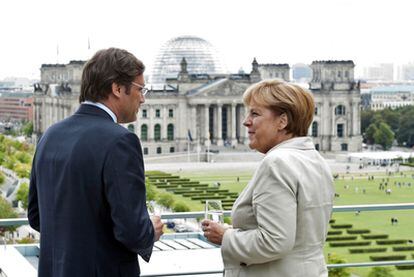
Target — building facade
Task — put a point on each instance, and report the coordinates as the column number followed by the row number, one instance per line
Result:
column 205, row 111
column 16, row 106
column 392, row 97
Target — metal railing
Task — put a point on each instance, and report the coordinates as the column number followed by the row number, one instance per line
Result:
column 347, row 208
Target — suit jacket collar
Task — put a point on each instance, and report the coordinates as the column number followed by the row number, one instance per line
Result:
column 300, row 143
column 94, row 111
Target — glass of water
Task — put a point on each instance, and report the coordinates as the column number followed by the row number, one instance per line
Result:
column 214, row 211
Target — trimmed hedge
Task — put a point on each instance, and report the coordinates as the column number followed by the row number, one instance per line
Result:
column 349, row 243
column 341, row 226
column 403, row 248
column 336, row 238
column 391, row 241
column 388, row 258
column 404, row 267
column 367, row 250
column 334, row 233
column 384, row 236
column 332, row 221
column 358, row 231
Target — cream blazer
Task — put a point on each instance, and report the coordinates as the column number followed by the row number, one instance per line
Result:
column 281, row 218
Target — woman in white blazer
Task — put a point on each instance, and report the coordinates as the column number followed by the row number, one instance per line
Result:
column 280, row 220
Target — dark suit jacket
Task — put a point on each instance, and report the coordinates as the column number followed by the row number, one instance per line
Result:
column 87, row 198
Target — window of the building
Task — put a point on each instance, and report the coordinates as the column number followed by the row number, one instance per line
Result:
column 170, row 132
column 317, row 146
column 315, row 129
column 144, row 113
column 340, row 110
column 172, row 149
column 316, row 110
column 339, row 74
column 144, row 132
column 145, row 150
column 157, row 113
column 170, row 113
column 346, row 74
column 159, row 150
column 131, row 128
column 157, row 132
column 340, row 130
column 344, row 147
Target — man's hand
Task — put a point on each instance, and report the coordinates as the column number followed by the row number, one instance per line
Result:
column 213, row 231
column 158, row 226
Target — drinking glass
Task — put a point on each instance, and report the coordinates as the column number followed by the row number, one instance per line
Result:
column 214, row 211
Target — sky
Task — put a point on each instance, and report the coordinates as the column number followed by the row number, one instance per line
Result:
column 274, row 31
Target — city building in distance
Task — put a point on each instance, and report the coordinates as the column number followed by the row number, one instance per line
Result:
column 193, row 103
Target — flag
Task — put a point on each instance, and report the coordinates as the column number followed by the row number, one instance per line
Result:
column 190, row 138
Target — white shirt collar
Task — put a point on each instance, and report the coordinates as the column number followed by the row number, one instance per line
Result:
column 103, row 107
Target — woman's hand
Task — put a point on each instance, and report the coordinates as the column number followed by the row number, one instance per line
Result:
column 213, row 231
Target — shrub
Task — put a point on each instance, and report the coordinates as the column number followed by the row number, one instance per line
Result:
column 26, row 240
column 349, row 243
column 335, row 238
column 341, row 226
column 334, row 233
column 391, row 241
column 358, row 231
column 340, row 271
column 403, row 248
column 388, row 258
column 166, row 200
column 384, row 236
column 23, row 194
column 180, row 207
column 380, row 272
column 405, row 267
column 367, row 250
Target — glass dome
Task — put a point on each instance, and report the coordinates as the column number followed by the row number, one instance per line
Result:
column 200, row 55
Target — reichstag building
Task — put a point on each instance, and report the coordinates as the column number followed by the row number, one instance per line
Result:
column 194, row 103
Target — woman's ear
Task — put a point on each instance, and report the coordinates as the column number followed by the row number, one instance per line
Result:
column 283, row 121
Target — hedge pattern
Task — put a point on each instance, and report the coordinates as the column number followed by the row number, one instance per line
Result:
column 191, row 189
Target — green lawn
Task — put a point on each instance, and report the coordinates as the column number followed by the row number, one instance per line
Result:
column 351, row 188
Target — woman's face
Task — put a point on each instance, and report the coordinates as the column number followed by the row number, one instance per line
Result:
column 265, row 128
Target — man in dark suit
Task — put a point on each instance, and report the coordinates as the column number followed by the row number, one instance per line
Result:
column 87, row 186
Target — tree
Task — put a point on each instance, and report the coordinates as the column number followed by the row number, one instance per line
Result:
column 384, row 136
column 23, row 194
column 380, row 272
column 369, row 134
column 28, row 129
column 340, row 271
column 405, row 134
column 366, row 119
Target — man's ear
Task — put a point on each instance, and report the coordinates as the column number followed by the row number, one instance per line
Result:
column 283, row 121
column 116, row 90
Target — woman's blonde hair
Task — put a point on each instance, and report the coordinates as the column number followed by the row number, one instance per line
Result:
column 282, row 97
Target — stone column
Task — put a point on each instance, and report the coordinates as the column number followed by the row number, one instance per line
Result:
column 245, row 131
column 164, row 123
column 193, row 126
column 233, row 125
column 150, row 124
column 206, row 125
column 219, row 119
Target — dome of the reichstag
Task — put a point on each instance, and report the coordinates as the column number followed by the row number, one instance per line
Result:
column 200, row 55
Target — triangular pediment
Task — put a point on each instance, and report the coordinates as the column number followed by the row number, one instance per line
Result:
column 222, row 87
